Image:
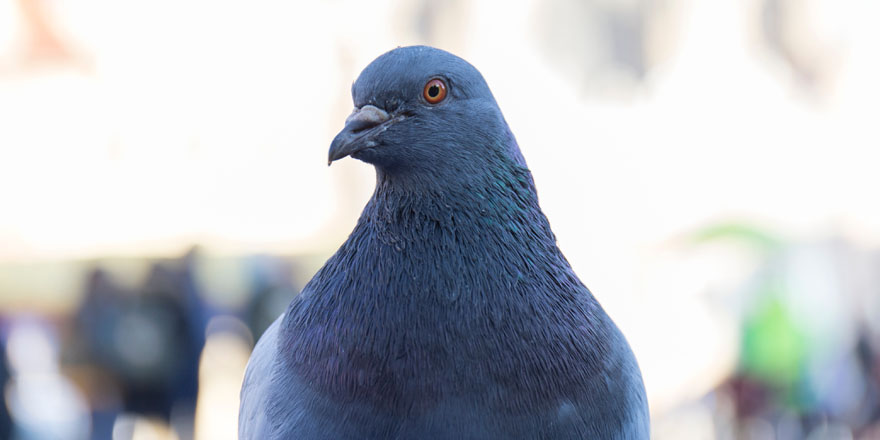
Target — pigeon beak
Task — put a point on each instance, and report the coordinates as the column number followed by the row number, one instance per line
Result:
column 353, row 136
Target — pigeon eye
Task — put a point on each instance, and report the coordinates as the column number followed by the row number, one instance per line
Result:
column 435, row 91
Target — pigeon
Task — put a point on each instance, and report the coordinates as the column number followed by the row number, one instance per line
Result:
column 449, row 312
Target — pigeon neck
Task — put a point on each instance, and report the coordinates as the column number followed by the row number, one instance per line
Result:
column 485, row 208
column 411, row 250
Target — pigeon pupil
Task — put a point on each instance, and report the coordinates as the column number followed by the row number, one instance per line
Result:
column 435, row 91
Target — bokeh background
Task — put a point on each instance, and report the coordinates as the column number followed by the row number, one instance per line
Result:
column 710, row 168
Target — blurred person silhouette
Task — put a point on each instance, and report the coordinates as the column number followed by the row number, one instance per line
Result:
column 5, row 419
column 869, row 363
column 148, row 342
column 93, row 345
column 160, row 338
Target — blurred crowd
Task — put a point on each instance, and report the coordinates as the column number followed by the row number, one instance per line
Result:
column 128, row 354
column 808, row 363
column 808, row 356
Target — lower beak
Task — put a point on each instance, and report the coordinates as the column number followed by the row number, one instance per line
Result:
column 354, row 136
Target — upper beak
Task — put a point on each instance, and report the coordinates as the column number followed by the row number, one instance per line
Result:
column 352, row 137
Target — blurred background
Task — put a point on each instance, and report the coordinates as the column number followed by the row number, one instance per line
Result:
column 709, row 168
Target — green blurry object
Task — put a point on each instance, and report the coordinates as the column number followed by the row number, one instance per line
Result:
column 773, row 348
column 739, row 232
column 776, row 352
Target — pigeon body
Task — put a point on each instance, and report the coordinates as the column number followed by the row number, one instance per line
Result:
column 449, row 312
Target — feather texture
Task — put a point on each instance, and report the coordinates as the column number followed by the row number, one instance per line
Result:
column 449, row 312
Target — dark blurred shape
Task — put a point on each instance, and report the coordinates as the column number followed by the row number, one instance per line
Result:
column 869, row 364
column 147, row 343
column 95, row 322
column 751, row 398
column 159, row 338
column 5, row 419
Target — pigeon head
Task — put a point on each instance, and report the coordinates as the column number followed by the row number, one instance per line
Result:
column 427, row 115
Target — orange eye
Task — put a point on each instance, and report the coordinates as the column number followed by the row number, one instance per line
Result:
column 435, row 91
